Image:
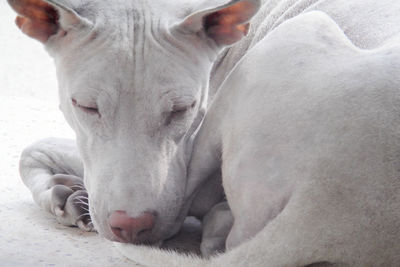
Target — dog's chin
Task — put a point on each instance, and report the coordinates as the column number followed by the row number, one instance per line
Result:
column 151, row 241
column 158, row 244
column 148, row 242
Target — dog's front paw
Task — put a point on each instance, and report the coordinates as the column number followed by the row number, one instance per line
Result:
column 69, row 202
column 217, row 224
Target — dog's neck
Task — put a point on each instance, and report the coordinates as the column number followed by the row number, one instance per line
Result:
column 271, row 15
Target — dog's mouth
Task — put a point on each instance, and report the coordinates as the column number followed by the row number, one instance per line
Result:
column 146, row 239
column 140, row 238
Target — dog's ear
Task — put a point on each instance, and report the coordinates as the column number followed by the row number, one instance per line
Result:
column 224, row 23
column 41, row 19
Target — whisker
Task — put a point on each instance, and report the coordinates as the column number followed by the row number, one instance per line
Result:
column 82, row 205
column 82, row 215
column 85, row 209
column 78, row 201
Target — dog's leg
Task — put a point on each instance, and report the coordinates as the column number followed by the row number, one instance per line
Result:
column 209, row 195
column 216, row 226
column 255, row 198
column 53, row 171
column 211, row 207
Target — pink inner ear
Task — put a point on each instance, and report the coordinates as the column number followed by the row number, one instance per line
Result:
column 36, row 18
column 228, row 25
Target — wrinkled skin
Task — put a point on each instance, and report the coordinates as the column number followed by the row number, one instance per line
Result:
column 140, row 143
column 133, row 85
column 310, row 164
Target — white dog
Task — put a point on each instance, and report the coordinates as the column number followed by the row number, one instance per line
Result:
column 305, row 125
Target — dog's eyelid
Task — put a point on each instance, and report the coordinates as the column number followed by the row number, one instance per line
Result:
column 88, row 108
column 176, row 108
column 178, row 112
column 179, row 109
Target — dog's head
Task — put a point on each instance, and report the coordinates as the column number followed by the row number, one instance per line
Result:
column 133, row 80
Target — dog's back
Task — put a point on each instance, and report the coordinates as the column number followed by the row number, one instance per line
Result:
column 310, row 148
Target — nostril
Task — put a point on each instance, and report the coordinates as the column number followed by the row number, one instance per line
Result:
column 131, row 229
column 120, row 235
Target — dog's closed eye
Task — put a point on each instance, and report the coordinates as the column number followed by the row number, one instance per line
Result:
column 89, row 109
column 177, row 112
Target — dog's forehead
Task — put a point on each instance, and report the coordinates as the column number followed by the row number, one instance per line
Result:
column 118, row 26
column 103, row 12
column 129, row 72
column 131, row 54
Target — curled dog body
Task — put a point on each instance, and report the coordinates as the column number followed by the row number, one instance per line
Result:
column 134, row 82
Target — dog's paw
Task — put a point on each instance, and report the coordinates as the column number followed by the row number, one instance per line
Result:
column 69, row 201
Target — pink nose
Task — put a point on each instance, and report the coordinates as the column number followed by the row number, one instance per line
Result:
column 131, row 230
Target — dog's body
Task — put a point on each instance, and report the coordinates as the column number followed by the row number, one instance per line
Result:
column 317, row 144
column 310, row 163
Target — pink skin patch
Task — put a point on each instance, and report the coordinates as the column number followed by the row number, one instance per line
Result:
column 36, row 18
column 228, row 25
column 128, row 229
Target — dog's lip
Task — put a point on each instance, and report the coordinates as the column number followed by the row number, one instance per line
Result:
column 152, row 241
column 146, row 242
column 149, row 243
